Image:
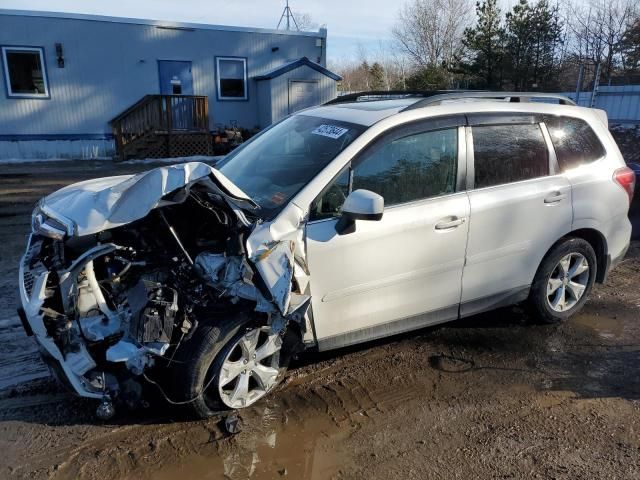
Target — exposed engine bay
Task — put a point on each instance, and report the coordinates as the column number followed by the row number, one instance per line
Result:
column 108, row 305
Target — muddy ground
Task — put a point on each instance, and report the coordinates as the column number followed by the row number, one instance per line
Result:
column 490, row 397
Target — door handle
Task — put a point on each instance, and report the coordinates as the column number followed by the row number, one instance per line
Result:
column 555, row 197
column 449, row 222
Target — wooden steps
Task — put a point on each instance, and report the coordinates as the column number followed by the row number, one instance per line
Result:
column 164, row 126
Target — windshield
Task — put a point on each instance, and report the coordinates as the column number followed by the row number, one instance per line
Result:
column 276, row 164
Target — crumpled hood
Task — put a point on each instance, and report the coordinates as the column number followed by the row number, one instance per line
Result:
column 104, row 203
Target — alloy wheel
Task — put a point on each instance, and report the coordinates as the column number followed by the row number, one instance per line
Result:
column 251, row 368
column 568, row 282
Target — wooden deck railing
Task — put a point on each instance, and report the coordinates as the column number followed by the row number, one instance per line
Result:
column 161, row 114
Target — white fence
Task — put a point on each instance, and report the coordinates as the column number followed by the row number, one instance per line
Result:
column 622, row 103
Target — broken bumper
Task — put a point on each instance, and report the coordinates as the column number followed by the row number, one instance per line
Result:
column 32, row 285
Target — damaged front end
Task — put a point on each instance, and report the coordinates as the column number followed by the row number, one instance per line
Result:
column 119, row 272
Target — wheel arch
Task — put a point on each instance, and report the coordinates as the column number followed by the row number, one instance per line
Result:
column 599, row 243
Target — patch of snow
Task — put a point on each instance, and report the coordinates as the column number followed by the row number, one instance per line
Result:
column 8, row 161
column 9, row 322
column 197, row 158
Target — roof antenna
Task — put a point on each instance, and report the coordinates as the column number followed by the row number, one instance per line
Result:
column 288, row 15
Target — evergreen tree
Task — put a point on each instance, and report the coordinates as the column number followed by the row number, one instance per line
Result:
column 533, row 37
column 630, row 47
column 519, row 22
column 547, row 33
column 485, row 43
column 366, row 75
column 377, row 76
column 429, row 78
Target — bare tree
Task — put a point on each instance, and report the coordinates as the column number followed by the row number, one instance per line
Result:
column 430, row 31
column 598, row 29
column 395, row 65
column 359, row 72
column 305, row 22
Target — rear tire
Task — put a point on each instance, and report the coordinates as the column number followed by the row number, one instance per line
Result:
column 564, row 280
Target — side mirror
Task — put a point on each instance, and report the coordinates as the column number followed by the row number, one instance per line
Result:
column 359, row 205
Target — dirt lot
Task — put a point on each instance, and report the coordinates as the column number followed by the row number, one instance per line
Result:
column 490, row 397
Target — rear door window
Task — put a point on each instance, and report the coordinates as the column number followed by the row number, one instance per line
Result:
column 508, row 153
column 574, row 141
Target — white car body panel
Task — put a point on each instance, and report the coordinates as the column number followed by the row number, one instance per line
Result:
column 510, row 231
column 387, row 271
column 510, row 254
column 96, row 205
column 598, row 203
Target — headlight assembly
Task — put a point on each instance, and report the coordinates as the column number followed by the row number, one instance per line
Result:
column 47, row 226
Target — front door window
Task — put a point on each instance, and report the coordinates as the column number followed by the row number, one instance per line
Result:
column 400, row 168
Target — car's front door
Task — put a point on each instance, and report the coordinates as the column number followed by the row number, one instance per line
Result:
column 520, row 206
column 403, row 271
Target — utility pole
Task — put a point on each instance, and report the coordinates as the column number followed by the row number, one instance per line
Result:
column 596, row 84
column 579, row 84
column 288, row 15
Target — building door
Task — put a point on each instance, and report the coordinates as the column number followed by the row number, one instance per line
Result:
column 175, row 77
column 302, row 94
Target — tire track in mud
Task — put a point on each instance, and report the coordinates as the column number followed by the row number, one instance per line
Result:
column 109, row 445
column 335, row 409
column 19, row 358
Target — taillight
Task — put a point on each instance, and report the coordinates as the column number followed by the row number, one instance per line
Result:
column 626, row 178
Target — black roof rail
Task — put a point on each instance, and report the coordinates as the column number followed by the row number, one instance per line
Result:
column 512, row 96
column 386, row 95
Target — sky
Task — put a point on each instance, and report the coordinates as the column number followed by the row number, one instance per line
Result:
column 351, row 25
column 354, row 26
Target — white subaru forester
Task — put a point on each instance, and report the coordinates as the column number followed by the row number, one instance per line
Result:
column 343, row 223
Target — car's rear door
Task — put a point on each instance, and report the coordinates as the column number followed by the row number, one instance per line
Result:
column 520, row 206
column 404, row 271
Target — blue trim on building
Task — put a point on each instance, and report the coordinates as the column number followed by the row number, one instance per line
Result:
column 304, row 61
column 63, row 136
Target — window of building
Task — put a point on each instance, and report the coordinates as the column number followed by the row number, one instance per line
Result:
column 508, row 153
column 24, row 72
column 574, row 141
column 232, row 78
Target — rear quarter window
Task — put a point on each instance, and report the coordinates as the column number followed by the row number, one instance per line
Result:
column 508, row 153
column 574, row 141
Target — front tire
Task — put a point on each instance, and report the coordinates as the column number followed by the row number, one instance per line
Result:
column 564, row 280
column 230, row 364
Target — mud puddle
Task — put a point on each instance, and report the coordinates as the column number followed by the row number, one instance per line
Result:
column 299, row 432
column 273, row 443
column 606, row 327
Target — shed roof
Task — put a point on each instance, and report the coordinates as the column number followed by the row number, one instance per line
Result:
column 304, row 61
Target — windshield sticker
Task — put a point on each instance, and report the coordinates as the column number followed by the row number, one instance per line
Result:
column 330, row 131
column 278, row 198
